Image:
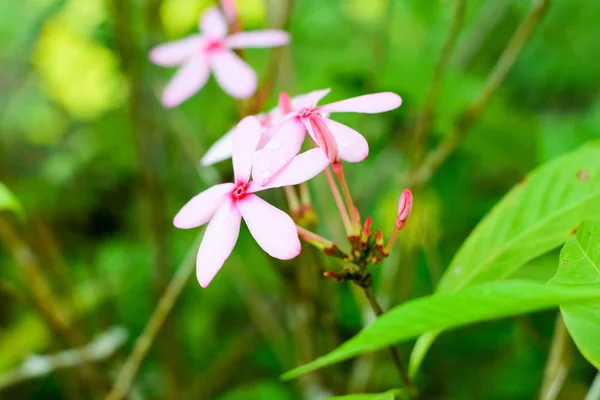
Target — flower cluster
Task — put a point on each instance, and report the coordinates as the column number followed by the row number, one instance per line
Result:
column 266, row 151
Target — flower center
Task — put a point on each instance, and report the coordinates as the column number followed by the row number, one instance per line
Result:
column 214, row 45
column 240, row 191
column 307, row 112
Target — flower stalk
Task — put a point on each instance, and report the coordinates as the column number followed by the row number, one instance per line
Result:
column 339, row 202
column 338, row 170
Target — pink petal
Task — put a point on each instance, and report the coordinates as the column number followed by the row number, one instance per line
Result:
column 233, row 74
column 303, row 167
column 213, row 23
column 278, row 151
column 189, row 79
column 368, row 104
column 273, row 230
column 220, row 150
column 219, row 239
column 176, row 52
column 353, row 147
column 320, row 131
column 264, row 38
column 201, row 207
column 309, row 100
column 245, row 139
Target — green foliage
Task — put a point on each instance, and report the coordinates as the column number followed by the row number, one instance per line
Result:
column 72, row 139
column 533, row 218
column 451, row 310
column 9, row 202
column 389, row 395
column 579, row 266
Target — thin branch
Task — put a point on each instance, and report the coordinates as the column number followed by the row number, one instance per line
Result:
column 37, row 366
column 426, row 116
column 160, row 313
column 440, row 154
column 148, row 143
column 47, row 305
column 488, row 19
column 559, row 362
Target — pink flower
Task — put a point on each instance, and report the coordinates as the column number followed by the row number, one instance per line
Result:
column 224, row 205
column 221, row 149
column 337, row 140
column 211, row 50
column 405, row 205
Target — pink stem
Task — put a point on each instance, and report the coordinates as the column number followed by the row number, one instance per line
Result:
column 338, row 169
column 339, row 202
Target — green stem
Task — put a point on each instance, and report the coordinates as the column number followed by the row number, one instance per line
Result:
column 427, row 113
column 423, row 173
column 158, row 317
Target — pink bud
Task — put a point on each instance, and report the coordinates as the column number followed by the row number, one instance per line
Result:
column 229, row 9
column 404, row 208
column 285, row 104
column 324, row 137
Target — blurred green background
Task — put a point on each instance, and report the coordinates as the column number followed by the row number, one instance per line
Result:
column 100, row 169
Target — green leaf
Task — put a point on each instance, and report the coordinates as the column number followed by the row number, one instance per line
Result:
column 9, row 202
column 450, row 310
column 389, row 395
column 579, row 264
column 536, row 216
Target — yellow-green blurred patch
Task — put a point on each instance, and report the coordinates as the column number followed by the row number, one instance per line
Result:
column 83, row 15
column 180, row 17
column 252, row 12
column 364, row 10
column 25, row 336
column 78, row 73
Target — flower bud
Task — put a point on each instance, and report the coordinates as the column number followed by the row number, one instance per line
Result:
column 229, row 9
column 366, row 232
column 324, row 137
column 404, row 208
column 379, row 238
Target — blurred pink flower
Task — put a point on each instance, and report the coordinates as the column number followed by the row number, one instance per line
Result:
column 221, row 149
column 211, row 50
column 224, row 205
column 337, row 140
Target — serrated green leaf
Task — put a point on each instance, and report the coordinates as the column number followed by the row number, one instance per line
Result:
column 450, row 310
column 579, row 264
column 389, row 395
column 9, row 202
column 536, row 216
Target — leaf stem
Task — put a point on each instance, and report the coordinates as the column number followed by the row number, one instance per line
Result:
column 594, row 392
column 559, row 362
column 406, row 381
